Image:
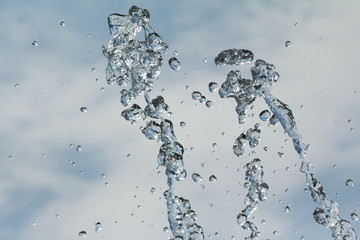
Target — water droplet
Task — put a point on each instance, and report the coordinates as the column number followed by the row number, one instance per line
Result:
column 287, row 44
column 287, row 209
column 35, row 43
column 196, row 95
column 62, row 23
column 281, row 154
column 196, row 177
column 349, row 121
column 128, row 156
column 275, row 232
column 152, row 190
column 82, row 234
column 174, row 64
column 98, row 227
column 16, row 85
column 202, row 99
column 296, row 24
column 182, row 124
column 354, row 217
column 166, row 229
column 83, row 109
column 78, row 148
column 350, row 183
column 103, row 175
column 209, row 104
column 213, row 86
column 265, row 115
column 212, row 178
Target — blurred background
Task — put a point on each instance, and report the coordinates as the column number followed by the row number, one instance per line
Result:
column 63, row 170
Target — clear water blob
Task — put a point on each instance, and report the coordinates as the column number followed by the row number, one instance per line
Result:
column 35, row 43
column 350, row 183
column 83, row 109
column 354, row 217
column 182, row 124
column 98, row 227
column 212, row 178
column 287, row 44
column 234, row 57
column 209, row 104
column 62, row 24
column 78, row 148
column 265, row 115
column 82, row 234
column 196, row 177
column 196, row 95
column 174, row 64
column 213, row 86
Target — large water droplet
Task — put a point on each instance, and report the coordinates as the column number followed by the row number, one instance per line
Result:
column 174, row 64
column 196, row 95
column 196, row 177
column 213, row 86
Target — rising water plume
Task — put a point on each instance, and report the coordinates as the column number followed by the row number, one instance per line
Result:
column 133, row 65
column 245, row 91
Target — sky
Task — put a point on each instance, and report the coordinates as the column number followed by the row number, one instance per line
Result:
column 49, row 190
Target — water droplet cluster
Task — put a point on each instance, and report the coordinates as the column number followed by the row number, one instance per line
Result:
column 257, row 192
column 133, row 65
column 245, row 92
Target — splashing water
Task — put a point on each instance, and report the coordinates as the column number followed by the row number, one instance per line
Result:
column 245, row 92
column 256, row 194
column 133, row 65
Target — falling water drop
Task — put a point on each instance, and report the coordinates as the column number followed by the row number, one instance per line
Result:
column 354, row 217
column 152, row 190
column 209, row 104
column 98, row 227
column 83, row 109
column 174, row 64
column 213, row 86
column 182, row 124
column 212, row 178
column 196, row 177
column 82, row 234
column 350, row 183
column 62, row 23
column 196, row 95
column 287, row 209
column 78, row 148
column 35, row 43
column 287, row 44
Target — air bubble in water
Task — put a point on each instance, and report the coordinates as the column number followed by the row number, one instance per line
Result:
column 196, row 95
column 213, row 86
column 265, row 115
column 83, row 109
column 349, row 183
column 212, row 178
column 287, row 44
column 209, row 104
column 35, row 43
column 174, row 64
column 196, row 177
column 82, row 234
column 98, row 227
column 62, row 23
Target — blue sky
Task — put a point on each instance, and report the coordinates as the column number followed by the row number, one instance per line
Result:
column 41, row 117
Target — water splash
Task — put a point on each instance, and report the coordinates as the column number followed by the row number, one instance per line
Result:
column 256, row 194
column 245, row 92
column 133, row 65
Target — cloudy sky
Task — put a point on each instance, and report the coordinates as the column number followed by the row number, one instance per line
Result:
column 49, row 190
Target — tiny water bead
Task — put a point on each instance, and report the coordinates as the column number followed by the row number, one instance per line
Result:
column 98, row 227
column 212, row 178
column 265, row 115
column 62, row 23
column 287, row 209
column 196, row 95
column 209, row 104
column 174, row 64
column 152, row 190
column 287, row 44
column 83, row 109
column 182, row 124
column 350, row 183
column 354, row 217
column 35, row 43
column 82, row 234
column 196, row 177
column 78, row 148
column 213, row 86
